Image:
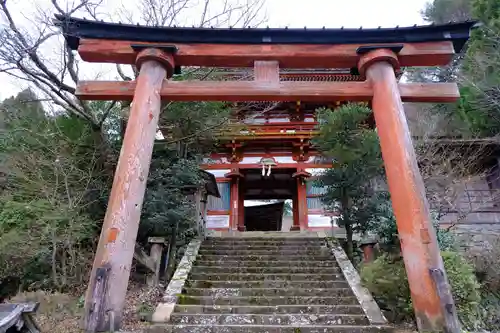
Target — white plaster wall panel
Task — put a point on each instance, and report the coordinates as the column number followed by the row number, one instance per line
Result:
column 251, row 159
column 279, row 120
column 284, row 159
column 318, row 220
column 219, row 172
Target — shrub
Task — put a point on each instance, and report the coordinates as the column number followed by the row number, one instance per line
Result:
column 386, row 279
column 464, row 285
column 486, row 264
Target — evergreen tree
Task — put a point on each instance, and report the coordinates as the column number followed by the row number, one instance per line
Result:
column 476, row 68
column 346, row 137
column 480, row 103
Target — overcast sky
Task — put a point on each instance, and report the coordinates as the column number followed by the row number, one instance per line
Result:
column 292, row 13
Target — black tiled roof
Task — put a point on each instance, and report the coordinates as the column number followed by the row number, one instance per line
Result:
column 75, row 28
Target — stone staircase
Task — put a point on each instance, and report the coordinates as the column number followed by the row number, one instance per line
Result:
column 286, row 285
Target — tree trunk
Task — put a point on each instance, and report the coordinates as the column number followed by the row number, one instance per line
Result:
column 349, row 248
column 170, row 264
column 348, row 227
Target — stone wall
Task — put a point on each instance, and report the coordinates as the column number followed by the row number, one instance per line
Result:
column 475, row 215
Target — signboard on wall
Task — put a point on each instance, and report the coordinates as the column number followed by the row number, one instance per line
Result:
column 217, row 221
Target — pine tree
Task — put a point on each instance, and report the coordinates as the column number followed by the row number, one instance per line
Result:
column 346, row 136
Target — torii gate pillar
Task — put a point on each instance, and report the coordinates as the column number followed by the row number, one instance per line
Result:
column 411, row 209
column 107, row 288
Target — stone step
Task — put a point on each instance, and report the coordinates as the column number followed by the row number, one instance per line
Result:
column 270, row 263
column 285, row 309
column 263, row 247
column 239, row 292
column 270, row 329
column 265, row 236
column 267, row 300
column 265, row 270
column 277, row 237
column 270, row 319
column 266, row 257
column 236, row 252
column 267, row 284
column 263, row 277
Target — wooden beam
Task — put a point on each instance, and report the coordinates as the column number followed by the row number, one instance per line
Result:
column 256, row 91
column 289, row 56
column 295, row 165
column 267, row 71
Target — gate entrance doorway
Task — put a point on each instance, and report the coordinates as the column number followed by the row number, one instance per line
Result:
column 274, row 186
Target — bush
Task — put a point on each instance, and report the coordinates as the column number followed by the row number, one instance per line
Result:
column 464, row 285
column 386, row 280
column 486, row 264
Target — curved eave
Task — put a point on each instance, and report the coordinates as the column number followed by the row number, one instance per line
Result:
column 75, row 29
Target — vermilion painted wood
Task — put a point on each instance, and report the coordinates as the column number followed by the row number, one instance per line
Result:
column 235, row 201
column 241, row 205
column 269, row 136
column 411, row 209
column 119, row 230
column 289, row 56
column 302, row 203
column 295, row 211
column 257, row 91
column 267, row 71
column 257, row 166
column 218, row 212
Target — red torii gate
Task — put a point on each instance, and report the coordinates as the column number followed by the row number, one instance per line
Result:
column 375, row 53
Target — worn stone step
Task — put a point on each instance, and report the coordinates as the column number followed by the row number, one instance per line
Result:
column 270, row 319
column 262, row 277
column 181, row 328
column 236, row 252
column 265, row 257
column 271, row 263
column 238, row 292
column 276, row 238
column 284, row 309
column 258, row 247
column 266, row 300
column 265, row 270
column 267, row 284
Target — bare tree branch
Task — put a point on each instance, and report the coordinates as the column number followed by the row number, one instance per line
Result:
column 122, row 74
column 107, row 112
column 451, row 168
column 34, row 52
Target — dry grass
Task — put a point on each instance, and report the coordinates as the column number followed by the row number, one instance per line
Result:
column 62, row 313
column 57, row 313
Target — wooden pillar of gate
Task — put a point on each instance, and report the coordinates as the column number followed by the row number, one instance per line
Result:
column 108, row 283
column 236, row 222
column 432, row 301
column 241, row 205
column 295, row 207
column 302, row 203
column 234, row 211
